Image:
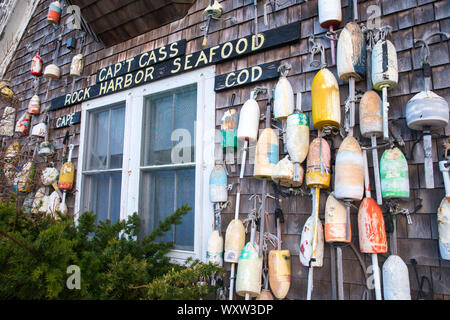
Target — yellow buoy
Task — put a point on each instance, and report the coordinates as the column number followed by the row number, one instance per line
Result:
column 234, row 241
column 317, row 175
column 326, row 106
column 248, row 278
column 280, row 272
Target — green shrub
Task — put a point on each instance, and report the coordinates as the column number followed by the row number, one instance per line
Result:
column 36, row 252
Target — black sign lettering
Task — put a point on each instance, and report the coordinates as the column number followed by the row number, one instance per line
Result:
column 246, row 76
column 199, row 59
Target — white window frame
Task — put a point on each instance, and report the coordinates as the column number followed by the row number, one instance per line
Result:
column 131, row 172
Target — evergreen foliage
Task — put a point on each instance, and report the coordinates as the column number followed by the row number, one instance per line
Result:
column 36, row 252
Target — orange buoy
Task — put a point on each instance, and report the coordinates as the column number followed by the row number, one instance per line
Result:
column 280, row 272
column 318, row 176
column 372, row 232
column 283, row 173
column 337, row 225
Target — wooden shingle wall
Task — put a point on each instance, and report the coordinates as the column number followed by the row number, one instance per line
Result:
column 410, row 19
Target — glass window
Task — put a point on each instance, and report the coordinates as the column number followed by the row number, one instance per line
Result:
column 168, row 162
column 102, row 175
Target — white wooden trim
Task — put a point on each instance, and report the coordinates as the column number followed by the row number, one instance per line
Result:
column 131, row 169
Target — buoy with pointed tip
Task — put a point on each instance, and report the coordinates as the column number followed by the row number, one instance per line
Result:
column 306, row 248
column 396, row 279
column 337, row 226
column 249, row 121
column 394, row 175
column 280, row 272
column 265, row 295
column 443, row 220
column 372, row 232
column 36, row 65
column 218, row 191
column 349, row 179
column 266, row 157
column 214, row 254
column 283, row 98
column 283, row 174
column 249, row 272
column 234, row 241
column 384, row 75
column 297, row 140
column 318, row 164
column 326, row 105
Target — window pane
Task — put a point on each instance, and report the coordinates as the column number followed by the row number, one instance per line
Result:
column 157, row 201
column 116, row 187
column 100, row 195
column 117, row 137
column 186, row 194
column 164, row 113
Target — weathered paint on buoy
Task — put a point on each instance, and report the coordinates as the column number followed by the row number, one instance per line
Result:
column 12, row 153
column 49, row 176
column 314, row 177
column 266, row 157
column 234, row 241
column 36, row 65
column 283, row 173
column 7, row 122
column 40, row 202
column 249, row 121
column 297, row 136
column 39, row 130
column 351, row 53
column 443, row 220
column 349, row 179
column 52, row 72
column 54, row 12
column 280, row 272
column 249, row 272
column 384, row 65
column 45, row 149
column 371, row 115
column 283, row 97
column 34, row 106
column 228, row 129
column 395, row 279
column 5, row 91
column 371, row 229
column 305, row 247
column 330, row 13
column 426, row 110
column 67, row 173
column 337, row 228
column 77, row 65
column 26, row 177
column 394, row 174
column 23, row 125
column 326, row 105
column 214, row 254
column 265, row 295
column 218, row 184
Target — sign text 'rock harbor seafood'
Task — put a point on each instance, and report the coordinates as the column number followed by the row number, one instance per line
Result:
column 162, row 63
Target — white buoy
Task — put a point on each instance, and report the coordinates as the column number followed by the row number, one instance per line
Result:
column 396, row 279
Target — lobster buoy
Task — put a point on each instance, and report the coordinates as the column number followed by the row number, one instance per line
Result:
column 330, row 13
column 228, row 129
column 395, row 279
column 214, row 254
column 52, row 72
column 283, row 174
column 266, row 157
column 315, row 178
column 351, row 53
column 5, row 91
column 54, row 12
column 249, row 272
column 7, row 122
column 297, row 138
column 283, row 97
column 349, row 179
column 28, row 203
column 36, row 65
column 49, row 176
column 218, row 184
column 371, row 115
column 234, row 241
column 426, row 110
column 443, row 219
column 280, row 272
column 306, row 245
column 46, row 149
column 249, row 121
column 371, row 229
column 39, row 130
column 23, row 125
column 384, row 65
column 76, row 68
column 214, row 10
column 40, row 202
column 25, row 179
column 265, row 295
column 34, row 106
column 12, row 153
column 66, row 174
column 54, row 202
column 337, row 227
column 394, row 174
column 326, row 105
